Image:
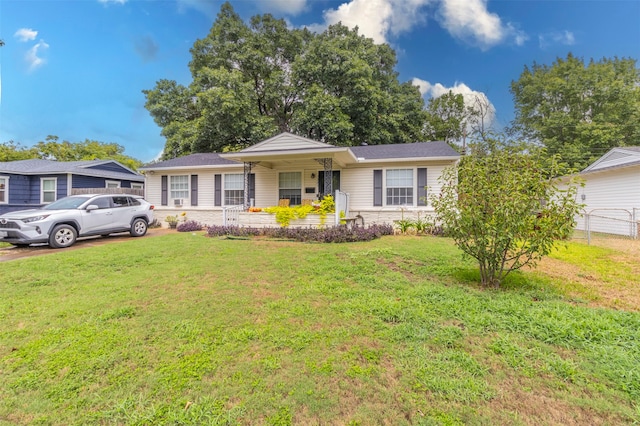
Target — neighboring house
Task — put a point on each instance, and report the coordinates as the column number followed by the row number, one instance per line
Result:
column 384, row 182
column 611, row 193
column 28, row 184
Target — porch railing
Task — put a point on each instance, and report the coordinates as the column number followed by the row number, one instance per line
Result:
column 231, row 214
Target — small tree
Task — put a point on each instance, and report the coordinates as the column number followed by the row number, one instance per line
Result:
column 506, row 210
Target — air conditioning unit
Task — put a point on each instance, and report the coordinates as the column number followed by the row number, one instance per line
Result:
column 177, row 202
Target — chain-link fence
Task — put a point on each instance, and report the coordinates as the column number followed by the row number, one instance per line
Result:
column 608, row 223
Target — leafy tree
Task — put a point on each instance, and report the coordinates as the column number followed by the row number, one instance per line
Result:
column 505, row 210
column 252, row 81
column 351, row 94
column 579, row 111
column 454, row 118
column 52, row 149
column 446, row 118
column 11, row 151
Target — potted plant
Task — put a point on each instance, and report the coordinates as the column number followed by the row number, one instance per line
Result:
column 172, row 220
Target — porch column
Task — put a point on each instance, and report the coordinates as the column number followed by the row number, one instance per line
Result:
column 247, row 171
column 327, row 164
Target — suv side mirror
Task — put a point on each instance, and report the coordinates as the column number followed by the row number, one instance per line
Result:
column 91, row 207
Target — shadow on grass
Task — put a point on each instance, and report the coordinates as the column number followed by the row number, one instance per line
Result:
column 528, row 284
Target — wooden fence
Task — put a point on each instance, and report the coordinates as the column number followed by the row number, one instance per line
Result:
column 130, row 191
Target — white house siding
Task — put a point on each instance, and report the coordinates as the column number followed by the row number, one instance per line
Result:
column 152, row 189
column 614, row 194
column 358, row 182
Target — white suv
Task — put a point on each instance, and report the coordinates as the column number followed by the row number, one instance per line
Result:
column 60, row 223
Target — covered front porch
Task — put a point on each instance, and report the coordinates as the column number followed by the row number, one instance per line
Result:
column 301, row 173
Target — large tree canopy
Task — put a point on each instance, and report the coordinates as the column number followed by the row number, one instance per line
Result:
column 251, row 81
column 579, row 111
column 52, row 149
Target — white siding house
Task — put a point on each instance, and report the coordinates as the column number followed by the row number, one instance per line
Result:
column 611, row 193
column 384, row 182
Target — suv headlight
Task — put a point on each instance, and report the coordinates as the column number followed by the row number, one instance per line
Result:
column 35, row 218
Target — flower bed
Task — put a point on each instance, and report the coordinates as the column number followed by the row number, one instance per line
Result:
column 336, row 234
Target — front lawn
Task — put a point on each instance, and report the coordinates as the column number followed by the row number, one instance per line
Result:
column 183, row 329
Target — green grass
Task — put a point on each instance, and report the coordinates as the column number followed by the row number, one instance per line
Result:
column 182, row 329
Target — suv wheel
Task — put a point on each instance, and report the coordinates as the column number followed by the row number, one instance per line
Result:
column 62, row 236
column 138, row 228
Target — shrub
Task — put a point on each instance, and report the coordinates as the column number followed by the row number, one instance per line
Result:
column 189, row 226
column 506, row 210
column 285, row 214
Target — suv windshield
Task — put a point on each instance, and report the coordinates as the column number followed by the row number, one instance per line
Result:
column 66, row 203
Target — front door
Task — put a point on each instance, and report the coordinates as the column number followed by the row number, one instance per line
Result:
column 335, row 180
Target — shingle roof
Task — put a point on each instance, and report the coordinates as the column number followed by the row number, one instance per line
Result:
column 404, row 150
column 200, row 159
column 86, row 168
column 367, row 152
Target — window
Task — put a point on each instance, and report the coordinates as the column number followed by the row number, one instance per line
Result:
column 112, row 183
column 133, row 201
column 4, row 184
column 102, row 202
column 179, row 186
column 137, row 185
column 399, row 187
column 234, row 189
column 290, row 186
column 48, row 187
column 120, row 201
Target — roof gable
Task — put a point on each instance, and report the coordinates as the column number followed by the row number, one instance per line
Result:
column 286, row 141
column 617, row 157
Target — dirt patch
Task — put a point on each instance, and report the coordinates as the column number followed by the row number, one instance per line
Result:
column 628, row 246
column 516, row 396
column 599, row 291
column 13, row 253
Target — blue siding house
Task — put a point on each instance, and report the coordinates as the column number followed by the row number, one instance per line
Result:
column 29, row 184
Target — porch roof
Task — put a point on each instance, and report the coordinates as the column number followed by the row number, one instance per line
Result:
column 340, row 155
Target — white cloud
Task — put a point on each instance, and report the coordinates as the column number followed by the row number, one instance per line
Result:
column 112, row 1
column 33, row 56
column 471, row 21
column 26, row 34
column 376, row 18
column 370, row 16
column 471, row 97
column 565, row 38
column 467, row 20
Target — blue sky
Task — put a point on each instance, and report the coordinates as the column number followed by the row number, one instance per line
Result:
column 76, row 68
